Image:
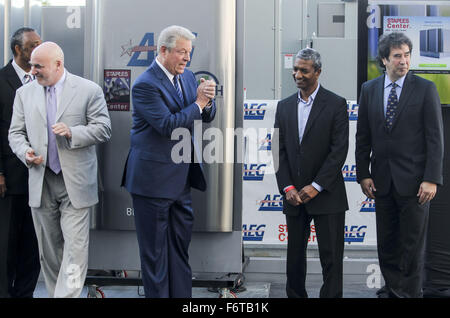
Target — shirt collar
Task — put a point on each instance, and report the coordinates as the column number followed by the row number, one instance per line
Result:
column 59, row 85
column 20, row 72
column 168, row 74
column 310, row 98
column 399, row 82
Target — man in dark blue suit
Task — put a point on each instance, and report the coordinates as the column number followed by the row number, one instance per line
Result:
column 399, row 162
column 166, row 98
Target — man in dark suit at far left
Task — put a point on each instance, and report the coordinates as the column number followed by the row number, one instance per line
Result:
column 19, row 255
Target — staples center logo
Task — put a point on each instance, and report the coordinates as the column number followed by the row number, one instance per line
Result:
column 271, row 203
column 254, row 172
column 253, row 232
column 254, row 111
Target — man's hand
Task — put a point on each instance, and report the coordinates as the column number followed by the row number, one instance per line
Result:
column 61, row 129
column 32, row 159
column 293, row 198
column 2, row 186
column 308, row 193
column 205, row 92
column 427, row 191
column 368, row 187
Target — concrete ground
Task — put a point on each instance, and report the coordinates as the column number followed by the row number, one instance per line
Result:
column 264, row 277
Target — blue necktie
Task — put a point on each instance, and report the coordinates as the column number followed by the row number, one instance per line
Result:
column 178, row 88
column 52, row 150
column 391, row 108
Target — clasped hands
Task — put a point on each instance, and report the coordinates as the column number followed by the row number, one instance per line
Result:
column 206, row 91
column 59, row 129
column 305, row 195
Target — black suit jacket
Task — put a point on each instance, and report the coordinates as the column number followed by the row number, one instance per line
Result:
column 319, row 157
column 15, row 172
column 412, row 151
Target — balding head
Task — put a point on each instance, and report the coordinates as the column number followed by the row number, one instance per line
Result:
column 47, row 62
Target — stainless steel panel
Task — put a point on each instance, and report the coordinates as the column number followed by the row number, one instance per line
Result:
column 65, row 26
column 124, row 26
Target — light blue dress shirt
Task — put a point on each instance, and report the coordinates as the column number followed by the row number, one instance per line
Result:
column 304, row 109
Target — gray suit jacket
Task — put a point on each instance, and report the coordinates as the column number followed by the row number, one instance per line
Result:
column 82, row 107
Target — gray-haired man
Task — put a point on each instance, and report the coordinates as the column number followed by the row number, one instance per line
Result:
column 311, row 127
column 166, row 97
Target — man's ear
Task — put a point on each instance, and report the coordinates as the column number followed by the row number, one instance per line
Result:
column 17, row 49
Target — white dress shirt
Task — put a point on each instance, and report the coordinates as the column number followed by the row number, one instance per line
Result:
column 20, row 72
column 170, row 76
column 304, row 109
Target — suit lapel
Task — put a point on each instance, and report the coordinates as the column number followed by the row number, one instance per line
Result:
column 12, row 77
column 379, row 99
column 67, row 95
column 292, row 118
column 316, row 108
column 184, row 89
column 39, row 97
column 408, row 88
column 166, row 83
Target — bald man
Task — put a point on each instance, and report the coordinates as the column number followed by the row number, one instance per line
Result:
column 57, row 121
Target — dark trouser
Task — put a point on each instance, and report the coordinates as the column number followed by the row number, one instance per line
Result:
column 330, row 236
column 164, row 230
column 19, row 253
column 401, row 231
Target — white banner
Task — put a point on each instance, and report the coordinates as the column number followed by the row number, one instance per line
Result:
column 263, row 220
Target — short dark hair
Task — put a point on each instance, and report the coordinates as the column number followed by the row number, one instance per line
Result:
column 389, row 41
column 17, row 38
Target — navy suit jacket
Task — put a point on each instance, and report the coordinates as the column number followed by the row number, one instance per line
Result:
column 412, row 150
column 157, row 111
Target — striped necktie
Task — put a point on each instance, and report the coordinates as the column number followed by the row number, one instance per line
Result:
column 391, row 108
column 27, row 78
column 178, row 88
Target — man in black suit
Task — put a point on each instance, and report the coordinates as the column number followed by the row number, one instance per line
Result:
column 19, row 256
column 311, row 127
column 400, row 136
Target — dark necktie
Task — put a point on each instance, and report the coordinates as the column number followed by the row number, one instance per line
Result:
column 52, row 150
column 178, row 88
column 391, row 108
column 27, row 78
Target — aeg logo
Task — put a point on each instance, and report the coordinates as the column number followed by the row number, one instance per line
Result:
column 352, row 110
column 349, row 173
column 254, row 172
column 271, row 203
column 254, row 111
column 253, row 232
column 368, row 205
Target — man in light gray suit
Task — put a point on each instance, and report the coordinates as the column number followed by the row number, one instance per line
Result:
column 56, row 122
